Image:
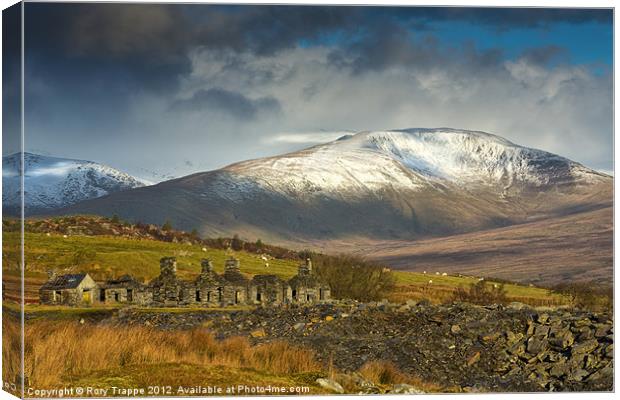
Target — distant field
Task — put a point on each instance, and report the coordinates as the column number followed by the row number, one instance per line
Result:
column 108, row 256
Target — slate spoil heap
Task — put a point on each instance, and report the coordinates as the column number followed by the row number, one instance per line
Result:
column 459, row 346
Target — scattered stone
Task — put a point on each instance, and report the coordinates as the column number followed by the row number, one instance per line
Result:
column 473, row 359
column 259, row 333
column 541, row 330
column 536, row 345
column 515, row 305
column 562, row 339
column 559, row 370
column 490, row 337
column 584, row 347
column 455, row 329
column 330, row 385
column 578, row 375
column 602, row 331
column 403, row 388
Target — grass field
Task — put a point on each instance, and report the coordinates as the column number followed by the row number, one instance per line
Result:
column 109, row 256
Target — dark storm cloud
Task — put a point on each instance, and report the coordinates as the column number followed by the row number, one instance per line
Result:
column 387, row 47
column 233, row 103
column 153, row 40
column 11, row 73
column 139, row 47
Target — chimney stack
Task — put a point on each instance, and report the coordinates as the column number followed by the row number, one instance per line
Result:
column 207, row 265
column 168, row 265
column 232, row 264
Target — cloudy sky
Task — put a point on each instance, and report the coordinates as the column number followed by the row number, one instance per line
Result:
column 167, row 90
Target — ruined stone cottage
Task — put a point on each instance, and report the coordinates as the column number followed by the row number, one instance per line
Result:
column 70, row 289
column 208, row 289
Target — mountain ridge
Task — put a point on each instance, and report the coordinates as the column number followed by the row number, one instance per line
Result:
column 403, row 184
column 54, row 182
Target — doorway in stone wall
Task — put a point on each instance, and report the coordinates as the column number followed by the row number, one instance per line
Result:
column 86, row 297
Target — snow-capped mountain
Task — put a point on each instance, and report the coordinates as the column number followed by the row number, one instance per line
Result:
column 51, row 182
column 411, row 159
column 387, row 184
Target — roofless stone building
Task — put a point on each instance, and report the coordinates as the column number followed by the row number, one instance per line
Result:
column 208, row 289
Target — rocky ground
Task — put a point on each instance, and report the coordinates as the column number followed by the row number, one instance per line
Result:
column 462, row 346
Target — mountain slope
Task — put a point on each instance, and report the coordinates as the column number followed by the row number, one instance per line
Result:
column 382, row 185
column 51, row 182
column 576, row 247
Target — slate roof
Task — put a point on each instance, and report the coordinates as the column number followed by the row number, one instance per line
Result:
column 69, row 281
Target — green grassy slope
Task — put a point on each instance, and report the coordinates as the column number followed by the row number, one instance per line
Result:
column 110, row 256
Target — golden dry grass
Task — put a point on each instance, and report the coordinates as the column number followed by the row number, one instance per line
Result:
column 67, row 352
column 11, row 348
column 387, row 373
column 56, row 350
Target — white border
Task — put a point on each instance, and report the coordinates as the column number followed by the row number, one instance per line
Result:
column 462, row 3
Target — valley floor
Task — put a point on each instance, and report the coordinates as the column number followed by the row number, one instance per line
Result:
column 572, row 248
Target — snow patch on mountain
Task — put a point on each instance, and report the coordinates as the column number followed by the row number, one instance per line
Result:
column 412, row 159
column 51, row 182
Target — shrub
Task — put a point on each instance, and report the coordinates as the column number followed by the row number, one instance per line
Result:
column 383, row 372
column 481, row 293
column 354, row 278
column 587, row 295
column 236, row 243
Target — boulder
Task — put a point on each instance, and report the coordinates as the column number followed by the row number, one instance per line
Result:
column 330, row 385
column 584, row 347
column 562, row 339
column 536, row 345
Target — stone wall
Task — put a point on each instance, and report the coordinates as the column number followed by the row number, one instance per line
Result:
column 209, row 288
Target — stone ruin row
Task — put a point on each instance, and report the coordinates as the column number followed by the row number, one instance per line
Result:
column 208, row 289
